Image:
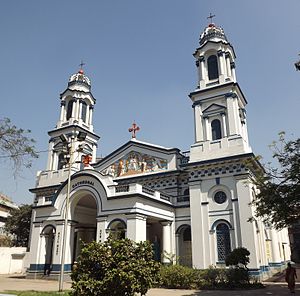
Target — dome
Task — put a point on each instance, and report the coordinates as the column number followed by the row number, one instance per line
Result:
column 212, row 33
column 79, row 78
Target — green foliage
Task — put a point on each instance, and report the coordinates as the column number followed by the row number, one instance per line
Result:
column 177, row 277
column 5, row 241
column 115, row 268
column 16, row 146
column 18, row 225
column 238, row 256
column 237, row 277
column 181, row 277
column 277, row 201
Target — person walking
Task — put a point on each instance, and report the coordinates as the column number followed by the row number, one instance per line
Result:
column 290, row 277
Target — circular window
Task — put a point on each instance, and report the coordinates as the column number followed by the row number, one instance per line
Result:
column 220, row 197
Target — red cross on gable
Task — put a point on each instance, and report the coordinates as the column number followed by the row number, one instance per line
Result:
column 86, row 160
column 133, row 129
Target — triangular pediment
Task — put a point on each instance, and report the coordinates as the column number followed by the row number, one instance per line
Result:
column 213, row 108
column 137, row 157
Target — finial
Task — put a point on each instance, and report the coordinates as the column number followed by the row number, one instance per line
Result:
column 211, row 16
column 133, row 130
column 81, row 67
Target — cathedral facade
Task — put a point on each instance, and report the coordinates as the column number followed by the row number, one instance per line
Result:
column 194, row 205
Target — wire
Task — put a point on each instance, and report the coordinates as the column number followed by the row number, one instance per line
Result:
column 20, row 154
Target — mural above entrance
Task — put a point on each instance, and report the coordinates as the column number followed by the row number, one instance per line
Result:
column 136, row 163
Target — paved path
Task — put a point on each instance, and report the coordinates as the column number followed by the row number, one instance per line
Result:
column 18, row 283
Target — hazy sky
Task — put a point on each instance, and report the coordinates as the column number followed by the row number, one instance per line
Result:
column 138, row 55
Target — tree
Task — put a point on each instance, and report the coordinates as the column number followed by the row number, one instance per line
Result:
column 278, row 199
column 18, row 225
column 238, row 256
column 114, row 268
column 16, row 146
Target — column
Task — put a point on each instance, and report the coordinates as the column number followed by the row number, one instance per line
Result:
column 50, row 157
column 78, row 105
column 73, row 107
column 232, row 67
column 166, row 233
column 199, row 72
column 101, row 234
column 58, row 248
column 91, row 115
column 202, row 71
column 232, row 114
column 35, row 248
column 198, row 124
column 222, row 66
column 248, row 230
column 62, row 110
column 207, row 130
column 87, row 116
column 136, row 227
column 198, row 250
column 227, row 58
column 224, row 125
column 79, row 109
column 275, row 245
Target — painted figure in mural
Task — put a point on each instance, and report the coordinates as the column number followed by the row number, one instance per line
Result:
column 143, row 165
column 120, row 168
column 290, row 277
column 133, row 163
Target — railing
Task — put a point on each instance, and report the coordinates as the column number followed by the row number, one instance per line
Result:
column 165, row 197
column 148, row 191
column 122, row 188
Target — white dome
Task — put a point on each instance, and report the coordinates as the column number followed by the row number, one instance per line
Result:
column 213, row 33
column 80, row 78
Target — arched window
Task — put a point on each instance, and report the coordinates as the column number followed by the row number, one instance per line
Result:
column 70, row 109
column 61, row 161
column 83, row 111
column 216, row 129
column 223, row 241
column 187, row 234
column 212, row 66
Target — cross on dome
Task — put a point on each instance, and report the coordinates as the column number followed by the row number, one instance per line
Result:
column 211, row 16
column 81, row 67
column 133, row 130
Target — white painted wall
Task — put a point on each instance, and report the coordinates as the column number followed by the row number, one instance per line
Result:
column 13, row 260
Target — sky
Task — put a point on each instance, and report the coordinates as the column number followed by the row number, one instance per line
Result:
column 138, row 55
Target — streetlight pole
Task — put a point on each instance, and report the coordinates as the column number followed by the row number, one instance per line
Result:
column 65, row 226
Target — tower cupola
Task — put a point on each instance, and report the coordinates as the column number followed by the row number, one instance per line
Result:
column 212, row 33
column 214, row 58
column 79, row 80
column 76, row 118
column 219, row 103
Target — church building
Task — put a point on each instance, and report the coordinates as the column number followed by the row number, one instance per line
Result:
column 194, row 205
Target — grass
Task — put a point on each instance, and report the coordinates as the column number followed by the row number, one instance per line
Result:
column 35, row 293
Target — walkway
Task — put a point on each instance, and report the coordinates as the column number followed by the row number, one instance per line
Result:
column 18, row 283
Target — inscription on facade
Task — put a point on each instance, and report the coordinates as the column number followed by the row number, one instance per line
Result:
column 83, row 182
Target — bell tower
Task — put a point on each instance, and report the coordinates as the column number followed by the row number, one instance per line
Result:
column 218, row 102
column 75, row 125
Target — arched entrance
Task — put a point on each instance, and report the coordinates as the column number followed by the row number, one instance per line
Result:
column 85, row 223
column 117, row 229
column 48, row 234
column 185, row 245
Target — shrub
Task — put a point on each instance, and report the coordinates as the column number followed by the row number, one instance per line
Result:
column 237, row 277
column 177, row 277
column 114, row 268
column 238, row 256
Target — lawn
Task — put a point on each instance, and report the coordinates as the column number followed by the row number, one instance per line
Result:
column 35, row 293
